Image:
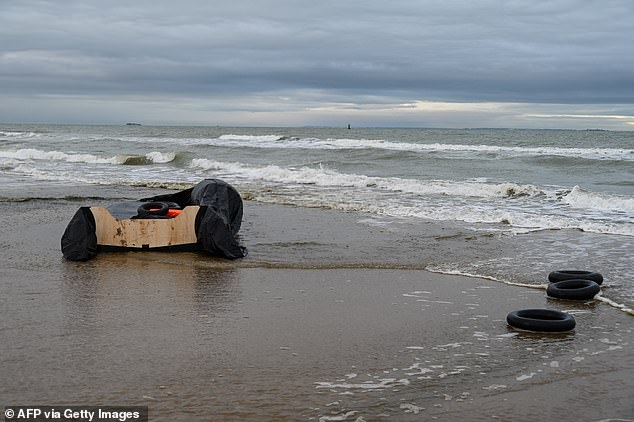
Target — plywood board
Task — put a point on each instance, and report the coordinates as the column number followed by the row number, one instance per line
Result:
column 140, row 233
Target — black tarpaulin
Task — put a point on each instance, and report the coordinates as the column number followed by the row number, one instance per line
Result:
column 79, row 241
column 220, row 218
column 217, row 223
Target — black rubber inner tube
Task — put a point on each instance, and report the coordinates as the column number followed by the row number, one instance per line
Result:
column 541, row 320
column 557, row 276
column 573, row 289
column 153, row 209
column 173, row 205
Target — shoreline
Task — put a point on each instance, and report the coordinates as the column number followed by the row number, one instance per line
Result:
column 198, row 337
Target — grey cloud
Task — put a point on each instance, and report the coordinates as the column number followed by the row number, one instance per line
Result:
column 558, row 51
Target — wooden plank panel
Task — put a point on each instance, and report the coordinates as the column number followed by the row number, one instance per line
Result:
column 140, row 233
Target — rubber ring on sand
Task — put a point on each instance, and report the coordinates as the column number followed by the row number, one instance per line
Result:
column 557, row 276
column 541, row 320
column 573, row 289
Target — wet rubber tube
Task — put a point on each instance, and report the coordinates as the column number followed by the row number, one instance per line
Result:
column 153, row 209
column 541, row 320
column 173, row 205
column 557, row 276
column 573, row 289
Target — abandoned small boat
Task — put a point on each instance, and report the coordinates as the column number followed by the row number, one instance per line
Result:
column 205, row 217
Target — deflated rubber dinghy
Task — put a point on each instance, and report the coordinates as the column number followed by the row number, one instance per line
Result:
column 206, row 217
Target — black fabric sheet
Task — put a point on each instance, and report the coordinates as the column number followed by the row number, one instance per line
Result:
column 79, row 241
column 217, row 223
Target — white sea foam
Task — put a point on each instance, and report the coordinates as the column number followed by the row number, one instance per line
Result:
column 160, row 157
column 579, row 198
column 276, row 141
column 250, row 138
column 282, row 142
column 526, row 376
column 17, row 134
column 322, row 176
column 338, row 418
column 8, row 163
column 410, row 198
column 36, row 154
column 369, row 385
column 614, row 304
column 587, row 153
column 521, row 207
column 411, row 408
column 442, row 269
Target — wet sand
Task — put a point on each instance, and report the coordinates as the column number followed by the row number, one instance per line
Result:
column 197, row 338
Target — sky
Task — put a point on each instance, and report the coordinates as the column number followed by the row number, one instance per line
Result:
column 370, row 63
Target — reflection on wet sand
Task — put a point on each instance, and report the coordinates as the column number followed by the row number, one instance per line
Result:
column 197, row 338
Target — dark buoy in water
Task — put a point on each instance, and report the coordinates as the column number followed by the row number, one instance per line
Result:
column 348, row 126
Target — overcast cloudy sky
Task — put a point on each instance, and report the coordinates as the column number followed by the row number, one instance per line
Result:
column 424, row 63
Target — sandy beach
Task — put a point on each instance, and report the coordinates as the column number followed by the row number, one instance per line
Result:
column 278, row 336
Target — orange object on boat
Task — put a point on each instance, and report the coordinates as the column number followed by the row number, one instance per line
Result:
column 170, row 213
column 173, row 213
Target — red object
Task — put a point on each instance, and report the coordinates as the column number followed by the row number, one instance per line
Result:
column 173, row 213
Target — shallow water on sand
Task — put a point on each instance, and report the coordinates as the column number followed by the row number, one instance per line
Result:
column 185, row 338
column 305, row 328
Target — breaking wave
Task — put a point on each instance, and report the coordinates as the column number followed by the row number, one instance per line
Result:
column 251, row 138
column 275, row 141
column 322, row 176
column 290, row 142
column 579, row 198
column 153, row 157
column 18, row 134
column 523, row 210
column 36, row 154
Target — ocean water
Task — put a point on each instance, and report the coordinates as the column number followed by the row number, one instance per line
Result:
column 558, row 199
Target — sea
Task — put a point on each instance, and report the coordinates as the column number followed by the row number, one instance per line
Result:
column 559, row 199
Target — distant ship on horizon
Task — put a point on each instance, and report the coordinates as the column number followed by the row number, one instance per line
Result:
column 133, row 124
